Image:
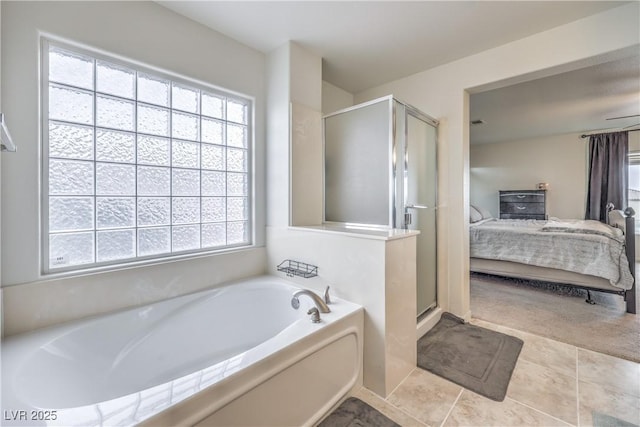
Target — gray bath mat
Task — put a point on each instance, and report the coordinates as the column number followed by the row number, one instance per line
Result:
column 604, row 420
column 475, row 358
column 354, row 412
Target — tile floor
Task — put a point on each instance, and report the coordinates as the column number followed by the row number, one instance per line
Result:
column 553, row 384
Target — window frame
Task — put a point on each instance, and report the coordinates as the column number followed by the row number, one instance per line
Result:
column 47, row 41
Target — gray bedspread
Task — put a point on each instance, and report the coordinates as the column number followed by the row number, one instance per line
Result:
column 586, row 247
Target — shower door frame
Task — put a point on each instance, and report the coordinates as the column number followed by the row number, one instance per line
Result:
column 397, row 150
column 400, row 203
column 397, row 167
column 391, row 166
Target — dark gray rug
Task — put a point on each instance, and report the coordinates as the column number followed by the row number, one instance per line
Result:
column 475, row 358
column 354, row 412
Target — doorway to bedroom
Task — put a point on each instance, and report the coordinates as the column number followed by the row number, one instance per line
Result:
column 526, row 137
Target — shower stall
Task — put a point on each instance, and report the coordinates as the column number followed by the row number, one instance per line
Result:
column 380, row 171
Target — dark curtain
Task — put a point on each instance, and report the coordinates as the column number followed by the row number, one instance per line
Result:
column 608, row 173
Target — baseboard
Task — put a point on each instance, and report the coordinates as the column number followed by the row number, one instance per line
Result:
column 428, row 322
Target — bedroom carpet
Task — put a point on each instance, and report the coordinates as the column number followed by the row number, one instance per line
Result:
column 475, row 358
column 559, row 313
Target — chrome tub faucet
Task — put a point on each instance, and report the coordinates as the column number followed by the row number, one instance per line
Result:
column 320, row 304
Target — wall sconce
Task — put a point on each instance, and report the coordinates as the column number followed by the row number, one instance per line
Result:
column 543, row 186
column 6, row 143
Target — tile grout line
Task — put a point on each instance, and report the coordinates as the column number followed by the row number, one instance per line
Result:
column 609, row 386
column 405, row 412
column 384, row 399
column 401, row 382
column 452, row 406
column 542, row 412
column 551, row 339
column 557, row 372
column 577, row 358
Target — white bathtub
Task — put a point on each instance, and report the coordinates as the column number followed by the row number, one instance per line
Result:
column 233, row 355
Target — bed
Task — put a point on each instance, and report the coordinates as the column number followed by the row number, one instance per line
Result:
column 580, row 253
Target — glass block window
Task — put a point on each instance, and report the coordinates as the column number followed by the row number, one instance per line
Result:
column 139, row 164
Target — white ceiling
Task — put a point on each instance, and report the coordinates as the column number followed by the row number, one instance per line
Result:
column 366, row 43
column 575, row 101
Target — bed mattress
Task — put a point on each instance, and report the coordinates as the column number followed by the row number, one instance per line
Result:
column 582, row 247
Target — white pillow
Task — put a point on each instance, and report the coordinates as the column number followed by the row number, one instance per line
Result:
column 474, row 215
column 483, row 212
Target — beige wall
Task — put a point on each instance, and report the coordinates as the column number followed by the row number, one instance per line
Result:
column 334, row 98
column 294, row 137
column 634, row 141
column 559, row 160
column 443, row 92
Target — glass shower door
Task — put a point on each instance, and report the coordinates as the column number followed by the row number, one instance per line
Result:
column 420, row 204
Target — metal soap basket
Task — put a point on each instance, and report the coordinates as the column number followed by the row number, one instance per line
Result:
column 296, row 268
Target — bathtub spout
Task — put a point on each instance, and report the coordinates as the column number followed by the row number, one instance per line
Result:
column 322, row 306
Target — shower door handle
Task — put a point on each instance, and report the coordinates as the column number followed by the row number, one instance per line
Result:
column 407, row 216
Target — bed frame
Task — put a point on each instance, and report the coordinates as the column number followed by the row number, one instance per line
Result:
column 624, row 221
